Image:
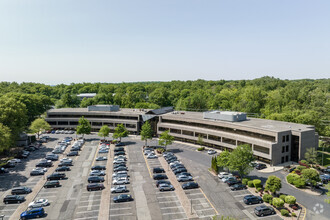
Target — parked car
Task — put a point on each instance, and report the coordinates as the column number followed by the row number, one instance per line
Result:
column 117, row 149
column 261, row 166
column 72, row 154
column 118, row 161
column 224, row 174
column 166, row 187
column 52, row 184
column 36, row 172
column 159, row 177
column 98, row 168
column 65, row 164
column 95, row 186
column 56, row 176
column 33, row 213
column 15, row 160
column 95, row 179
column 119, row 189
column 52, row 157
column 13, row 199
column 63, row 168
column 210, row 152
column 225, row 179
column 120, row 169
column 103, row 150
column 123, row 198
column 180, row 170
column 119, row 153
column 238, row 187
column 65, row 159
column 57, row 151
column 251, row 199
column 158, row 182
column 264, row 210
column 151, row 156
column 183, row 178
column 120, row 181
column 44, row 163
column 120, row 157
column 4, row 170
column 232, row 182
column 38, row 203
column 21, row 190
column 119, row 165
column 9, row 165
column 101, row 158
column 190, row 185
column 183, row 174
column 97, row 173
column 123, row 175
column 158, row 170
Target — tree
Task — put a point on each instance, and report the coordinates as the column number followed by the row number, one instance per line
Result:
column 240, row 159
column 200, row 140
column 214, row 165
column 311, row 176
column 146, row 132
column 273, row 184
column 311, row 155
column 104, row 131
column 5, row 138
column 120, row 132
column 84, row 127
column 165, row 139
column 223, row 159
column 39, row 125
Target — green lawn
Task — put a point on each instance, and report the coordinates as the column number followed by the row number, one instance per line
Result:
column 326, row 158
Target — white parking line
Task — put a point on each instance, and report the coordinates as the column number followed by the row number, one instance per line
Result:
column 88, row 211
column 87, row 217
column 199, row 198
column 172, row 213
column 194, row 194
column 172, row 207
column 125, row 214
column 200, row 210
column 120, row 208
column 95, row 200
column 242, row 195
column 7, row 210
column 86, row 206
column 164, row 192
column 177, row 201
column 162, row 197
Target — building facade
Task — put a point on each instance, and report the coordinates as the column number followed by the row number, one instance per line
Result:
column 273, row 142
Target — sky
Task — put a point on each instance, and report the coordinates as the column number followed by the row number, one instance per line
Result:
column 71, row 41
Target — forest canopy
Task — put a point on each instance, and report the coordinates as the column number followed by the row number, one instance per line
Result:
column 301, row 101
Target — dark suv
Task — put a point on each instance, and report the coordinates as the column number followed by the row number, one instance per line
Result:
column 95, row 179
column 158, row 170
column 95, row 186
column 56, row 176
column 264, row 210
column 251, row 199
column 44, row 163
column 21, row 190
column 99, row 168
column 13, row 199
column 160, row 177
column 261, row 166
column 118, row 149
column 51, row 184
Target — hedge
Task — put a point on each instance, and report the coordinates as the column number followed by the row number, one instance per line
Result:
column 201, row 149
column 257, row 183
column 267, row 198
column 290, row 200
column 277, row 202
column 299, row 183
column 250, row 183
column 292, row 177
column 282, row 197
column 284, row 212
column 300, row 168
column 245, row 181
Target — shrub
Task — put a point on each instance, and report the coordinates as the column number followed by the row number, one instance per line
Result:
column 290, row 200
column 250, row 183
column 304, row 161
column 245, row 181
column 257, row 183
column 303, row 164
column 160, row 150
column 300, row 168
column 259, row 189
column 292, row 177
column 284, row 212
column 294, row 214
column 282, row 197
column 267, row 198
column 201, row 149
column 277, row 202
column 299, row 183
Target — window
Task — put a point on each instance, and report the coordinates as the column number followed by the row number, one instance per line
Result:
column 261, row 149
column 228, row 141
column 162, row 129
column 214, row 138
column 283, row 139
column 286, row 158
column 200, row 134
column 176, row 131
column 188, row 133
column 287, row 148
column 287, row 138
column 282, row 160
column 283, row 149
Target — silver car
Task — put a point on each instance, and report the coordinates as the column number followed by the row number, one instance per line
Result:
column 166, row 187
column 97, row 173
column 120, row 181
column 119, row 189
column 184, row 178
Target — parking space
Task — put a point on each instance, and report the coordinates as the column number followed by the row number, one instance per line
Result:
column 170, row 205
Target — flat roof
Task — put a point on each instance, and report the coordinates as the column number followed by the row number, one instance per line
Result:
column 85, row 110
column 255, row 123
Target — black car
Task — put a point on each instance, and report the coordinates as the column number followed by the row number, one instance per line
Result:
column 3, row 170
column 119, row 144
column 13, row 199
column 9, row 165
column 238, row 187
column 232, row 182
column 158, row 170
column 158, row 182
column 36, row 172
column 44, row 163
column 190, row 185
column 95, row 186
column 63, row 168
column 30, row 148
column 118, row 149
column 264, row 210
column 119, row 153
column 181, row 170
column 261, row 166
column 184, row 174
column 65, row 163
column 119, row 165
column 21, row 190
column 72, row 154
column 177, row 166
column 123, row 198
column 159, row 177
column 95, row 179
column 120, row 169
column 56, row 176
column 251, row 199
column 98, row 168
column 52, row 184
column 75, row 149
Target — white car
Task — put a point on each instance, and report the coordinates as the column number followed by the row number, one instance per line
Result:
column 222, row 174
column 120, row 172
column 65, row 159
column 175, row 162
column 41, row 169
column 119, row 189
column 151, row 156
column 39, row 203
column 118, row 161
column 120, row 181
column 225, row 179
column 120, row 157
column 14, row 160
column 148, row 152
column 211, row 152
column 97, row 173
column 101, row 158
column 103, row 150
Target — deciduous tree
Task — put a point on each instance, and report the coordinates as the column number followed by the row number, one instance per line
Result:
column 146, row 132
column 5, row 138
column 104, row 131
column 165, row 139
column 120, row 132
column 240, row 159
column 273, row 184
column 39, row 125
column 84, row 127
